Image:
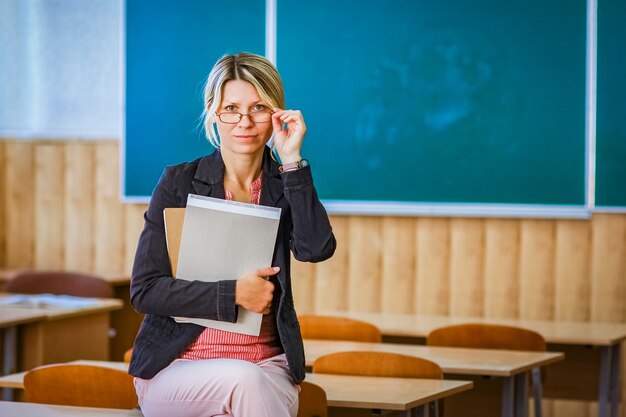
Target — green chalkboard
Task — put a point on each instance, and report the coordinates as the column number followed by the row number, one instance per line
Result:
column 170, row 47
column 455, row 101
column 410, row 102
column 611, row 105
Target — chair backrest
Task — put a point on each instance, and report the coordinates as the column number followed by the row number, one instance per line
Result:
column 487, row 336
column 80, row 385
column 59, row 282
column 312, row 401
column 377, row 364
column 128, row 355
column 338, row 328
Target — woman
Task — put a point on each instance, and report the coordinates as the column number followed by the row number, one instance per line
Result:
column 190, row 370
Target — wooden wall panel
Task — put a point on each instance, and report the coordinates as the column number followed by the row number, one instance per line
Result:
column 331, row 276
column 364, row 263
column 80, row 185
column 502, row 251
column 109, row 231
column 608, row 268
column 432, row 279
column 20, row 203
column 566, row 269
column 537, row 269
column 398, row 265
column 572, row 286
column 49, row 211
column 466, row 267
column 133, row 225
column 303, row 286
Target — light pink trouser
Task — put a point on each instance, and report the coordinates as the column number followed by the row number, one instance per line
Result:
column 220, row 387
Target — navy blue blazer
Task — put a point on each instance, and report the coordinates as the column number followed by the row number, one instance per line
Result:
column 304, row 229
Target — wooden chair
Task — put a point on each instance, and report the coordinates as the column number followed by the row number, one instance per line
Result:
column 338, row 328
column 127, row 355
column 80, row 385
column 383, row 364
column 493, row 336
column 59, row 282
column 312, row 401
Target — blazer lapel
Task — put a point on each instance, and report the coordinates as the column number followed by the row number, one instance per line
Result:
column 209, row 178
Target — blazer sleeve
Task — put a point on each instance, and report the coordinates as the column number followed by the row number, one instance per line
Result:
column 153, row 289
column 312, row 238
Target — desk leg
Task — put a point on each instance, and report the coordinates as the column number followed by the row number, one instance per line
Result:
column 508, row 395
column 419, row 411
column 605, row 381
column 433, row 409
column 10, row 360
column 615, row 396
column 537, row 392
column 521, row 395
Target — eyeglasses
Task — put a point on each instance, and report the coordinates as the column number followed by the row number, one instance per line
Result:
column 235, row 117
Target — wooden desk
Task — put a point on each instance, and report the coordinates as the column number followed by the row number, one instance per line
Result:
column 125, row 322
column 377, row 393
column 593, row 351
column 10, row 319
column 399, row 394
column 60, row 334
column 512, row 367
column 18, row 409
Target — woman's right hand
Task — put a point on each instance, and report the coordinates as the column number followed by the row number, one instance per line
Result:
column 254, row 291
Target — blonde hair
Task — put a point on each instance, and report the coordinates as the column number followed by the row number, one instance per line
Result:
column 255, row 69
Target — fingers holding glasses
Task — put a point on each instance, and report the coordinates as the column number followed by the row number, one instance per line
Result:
column 289, row 131
column 287, row 116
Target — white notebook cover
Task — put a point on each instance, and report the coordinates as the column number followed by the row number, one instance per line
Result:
column 223, row 240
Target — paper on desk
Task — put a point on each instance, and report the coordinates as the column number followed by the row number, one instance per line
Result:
column 222, row 240
column 47, row 300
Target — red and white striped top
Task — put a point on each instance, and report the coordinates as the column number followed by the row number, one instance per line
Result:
column 213, row 343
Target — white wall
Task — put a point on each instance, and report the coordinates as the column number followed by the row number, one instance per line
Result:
column 60, row 68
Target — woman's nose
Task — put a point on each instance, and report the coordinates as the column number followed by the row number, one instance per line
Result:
column 246, row 120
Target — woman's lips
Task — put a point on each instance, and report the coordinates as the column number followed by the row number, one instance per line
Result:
column 245, row 137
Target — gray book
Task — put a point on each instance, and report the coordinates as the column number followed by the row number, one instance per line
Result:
column 223, row 240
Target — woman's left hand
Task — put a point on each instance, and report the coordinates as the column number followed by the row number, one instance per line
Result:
column 288, row 140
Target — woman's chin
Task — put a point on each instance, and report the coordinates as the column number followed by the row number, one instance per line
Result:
column 251, row 148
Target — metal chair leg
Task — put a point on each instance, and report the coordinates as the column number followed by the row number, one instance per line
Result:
column 537, row 391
